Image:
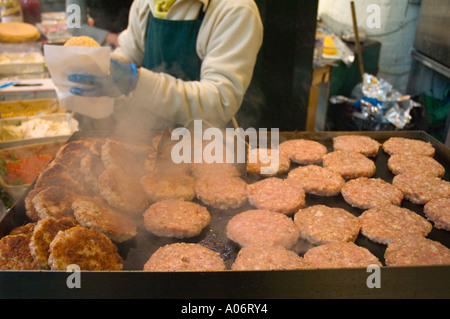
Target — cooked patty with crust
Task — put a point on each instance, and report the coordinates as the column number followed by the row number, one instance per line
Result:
column 267, row 162
column 276, row 194
column 438, row 212
column 420, row 188
column 176, row 218
column 316, row 180
column 184, row 257
column 28, row 228
column 30, row 211
column 416, row 251
column 267, row 257
column 401, row 145
column 163, row 186
column 94, row 212
column 357, row 143
column 320, row 224
column 303, row 151
column 221, row 192
column 43, row 234
column 85, row 247
column 91, row 166
column 366, row 193
column 262, row 227
column 382, row 224
column 119, row 155
column 404, row 163
column 54, row 201
column 122, row 191
column 349, row 164
column 340, row 255
column 15, row 253
column 57, row 174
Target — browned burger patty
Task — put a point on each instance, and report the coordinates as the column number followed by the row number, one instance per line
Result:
column 94, row 212
column 221, row 192
column 262, row 227
column 267, row 162
column 416, row 251
column 54, row 201
column 385, row 223
column 15, row 253
column 438, row 211
column 276, row 194
column 267, row 257
column 163, row 186
column 357, row 143
column 85, row 247
column 320, row 224
column 43, row 234
column 366, row 193
column 119, row 154
column 420, row 188
column 404, row 163
column 122, row 191
column 340, row 255
column 28, row 228
column 184, row 257
column 316, row 180
column 349, row 164
column 176, row 218
column 302, row 151
column 397, row 145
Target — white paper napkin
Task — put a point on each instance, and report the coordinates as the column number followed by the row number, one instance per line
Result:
column 63, row 61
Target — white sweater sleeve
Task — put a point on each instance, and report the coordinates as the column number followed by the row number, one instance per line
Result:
column 228, row 43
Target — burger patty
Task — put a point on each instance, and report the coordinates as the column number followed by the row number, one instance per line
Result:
column 420, row 188
column 54, row 201
column 87, row 248
column 94, row 212
column 44, row 232
column 385, row 223
column 15, row 253
column 267, row 257
column 184, row 257
column 438, row 211
column 163, row 186
column 401, row 145
column 316, row 180
column 276, row 194
column 221, row 192
column 176, row 218
column 416, row 251
column 404, row 163
column 366, row 193
column 357, row 143
column 122, row 191
column 349, row 164
column 262, row 226
column 340, row 255
column 321, row 224
column 267, row 162
column 304, row 152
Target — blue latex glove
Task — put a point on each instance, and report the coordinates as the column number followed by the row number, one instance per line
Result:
column 121, row 81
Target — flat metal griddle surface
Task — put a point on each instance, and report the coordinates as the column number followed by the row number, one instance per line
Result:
column 137, row 251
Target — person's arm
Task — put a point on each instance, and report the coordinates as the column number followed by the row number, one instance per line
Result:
column 97, row 34
column 231, row 39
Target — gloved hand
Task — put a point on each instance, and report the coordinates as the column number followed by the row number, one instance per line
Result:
column 120, row 81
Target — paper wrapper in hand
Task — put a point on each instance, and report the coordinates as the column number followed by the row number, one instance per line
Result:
column 65, row 60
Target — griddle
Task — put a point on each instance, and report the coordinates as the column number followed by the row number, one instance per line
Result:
column 132, row 282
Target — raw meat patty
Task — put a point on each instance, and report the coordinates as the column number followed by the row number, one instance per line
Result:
column 349, row 164
column 273, row 161
column 340, row 255
column 438, row 211
column 397, row 145
column 357, row 143
column 184, row 257
column 321, row 224
column 385, row 223
column 276, row 194
column 302, row 151
column 176, row 218
column 262, row 226
column 404, row 163
column 316, row 180
column 366, row 193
